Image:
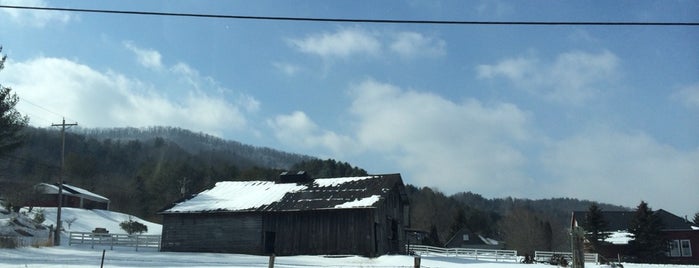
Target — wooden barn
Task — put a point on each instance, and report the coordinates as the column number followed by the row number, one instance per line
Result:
column 295, row 215
column 73, row 196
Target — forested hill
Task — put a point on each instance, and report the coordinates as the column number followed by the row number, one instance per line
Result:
column 194, row 143
column 143, row 170
column 140, row 170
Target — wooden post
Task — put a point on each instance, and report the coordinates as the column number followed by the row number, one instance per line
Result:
column 102, row 263
column 577, row 247
column 417, row 261
column 271, row 261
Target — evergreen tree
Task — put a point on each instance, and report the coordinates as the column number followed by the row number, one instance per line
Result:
column 11, row 121
column 596, row 228
column 432, row 238
column 133, row 227
column 696, row 219
column 459, row 222
column 649, row 244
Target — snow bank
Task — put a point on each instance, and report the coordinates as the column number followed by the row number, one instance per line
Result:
column 86, row 220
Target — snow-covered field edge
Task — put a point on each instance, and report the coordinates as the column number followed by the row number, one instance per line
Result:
column 85, row 256
column 80, row 256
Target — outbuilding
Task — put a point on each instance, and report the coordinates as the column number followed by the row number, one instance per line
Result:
column 295, row 215
column 73, row 196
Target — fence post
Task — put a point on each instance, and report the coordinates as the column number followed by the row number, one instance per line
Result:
column 271, row 261
column 102, row 263
column 578, row 254
column 416, row 262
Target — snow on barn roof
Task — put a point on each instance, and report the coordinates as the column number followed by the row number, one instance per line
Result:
column 324, row 193
column 71, row 190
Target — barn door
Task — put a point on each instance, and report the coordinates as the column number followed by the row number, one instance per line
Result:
column 270, row 239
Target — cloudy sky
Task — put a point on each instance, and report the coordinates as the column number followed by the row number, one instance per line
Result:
column 608, row 113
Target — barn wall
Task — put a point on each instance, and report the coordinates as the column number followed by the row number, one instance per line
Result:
column 319, row 232
column 390, row 222
column 213, row 232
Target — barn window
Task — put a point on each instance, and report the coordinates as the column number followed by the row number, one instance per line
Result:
column 466, row 238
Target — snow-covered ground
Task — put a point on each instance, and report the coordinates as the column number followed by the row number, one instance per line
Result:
column 86, row 220
column 123, row 257
column 79, row 257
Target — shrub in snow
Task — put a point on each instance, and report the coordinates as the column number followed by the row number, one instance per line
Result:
column 39, row 216
column 71, row 221
column 132, row 227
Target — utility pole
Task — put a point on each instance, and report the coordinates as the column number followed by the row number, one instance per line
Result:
column 63, row 125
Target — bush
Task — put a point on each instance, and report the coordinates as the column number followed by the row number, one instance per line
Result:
column 132, row 227
column 39, row 216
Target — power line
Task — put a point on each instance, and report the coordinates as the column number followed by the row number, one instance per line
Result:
column 40, row 107
column 388, row 21
column 43, row 108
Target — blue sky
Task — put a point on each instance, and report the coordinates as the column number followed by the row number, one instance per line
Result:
column 608, row 113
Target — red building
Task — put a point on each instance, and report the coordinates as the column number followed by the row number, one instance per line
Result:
column 682, row 236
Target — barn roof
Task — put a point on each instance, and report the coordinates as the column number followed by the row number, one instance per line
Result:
column 70, row 190
column 314, row 194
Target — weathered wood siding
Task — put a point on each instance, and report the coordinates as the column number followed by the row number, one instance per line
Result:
column 369, row 231
column 390, row 221
column 342, row 231
column 213, row 232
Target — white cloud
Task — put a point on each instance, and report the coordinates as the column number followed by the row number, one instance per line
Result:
column 573, row 78
column 492, row 8
column 688, row 95
column 34, row 18
column 440, row 142
column 287, row 68
column 147, row 57
column 109, row 99
column 623, row 168
column 453, row 146
column 413, row 44
column 298, row 130
column 341, row 44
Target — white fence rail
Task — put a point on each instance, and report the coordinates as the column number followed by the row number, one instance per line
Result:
column 545, row 256
column 472, row 253
column 112, row 240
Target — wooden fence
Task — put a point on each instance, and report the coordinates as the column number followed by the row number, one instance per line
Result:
column 112, row 240
column 545, row 256
column 25, row 241
column 472, row 253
